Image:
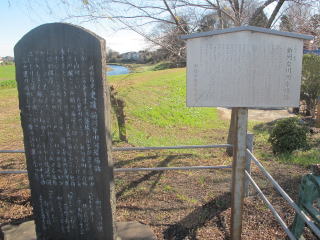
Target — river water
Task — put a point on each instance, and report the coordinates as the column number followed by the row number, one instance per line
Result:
column 117, row 70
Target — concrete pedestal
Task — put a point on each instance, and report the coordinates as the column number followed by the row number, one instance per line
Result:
column 125, row 231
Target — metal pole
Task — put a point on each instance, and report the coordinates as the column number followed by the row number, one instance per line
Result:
column 14, row 172
column 238, row 171
column 169, row 168
column 117, row 149
column 273, row 210
column 308, row 221
column 11, row 151
column 141, row 169
column 170, row 147
column 250, row 137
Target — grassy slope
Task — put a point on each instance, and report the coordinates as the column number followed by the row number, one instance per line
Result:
column 156, row 109
column 156, row 115
column 7, row 76
column 7, row 72
column 10, row 128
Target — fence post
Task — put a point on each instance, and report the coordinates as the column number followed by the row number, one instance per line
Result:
column 250, row 137
column 238, row 173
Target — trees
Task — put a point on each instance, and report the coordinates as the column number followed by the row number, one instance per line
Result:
column 306, row 19
column 310, row 87
column 161, row 22
column 112, row 56
column 303, row 19
column 179, row 17
column 172, row 18
column 172, row 47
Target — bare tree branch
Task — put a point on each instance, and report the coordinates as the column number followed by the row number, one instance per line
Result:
column 174, row 17
column 218, row 7
column 259, row 10
column 219, row 14
column 237, row 11
column 274, row 13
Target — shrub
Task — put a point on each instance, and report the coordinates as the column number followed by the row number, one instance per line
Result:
column 288, row 135
column 164, row 65
column 310, row 86
column 8, row 83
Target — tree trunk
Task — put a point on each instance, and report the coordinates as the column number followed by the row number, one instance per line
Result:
column 231, row 133
column 318, row 116
column 118, row 105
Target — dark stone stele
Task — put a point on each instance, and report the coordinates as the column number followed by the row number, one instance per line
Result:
column 60, row 72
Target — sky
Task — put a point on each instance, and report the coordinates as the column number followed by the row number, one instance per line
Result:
column 17, row 18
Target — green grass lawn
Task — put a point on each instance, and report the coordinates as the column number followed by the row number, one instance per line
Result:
column 157, row 112
column 156, row 115
column 7, row 76
column 7, row 72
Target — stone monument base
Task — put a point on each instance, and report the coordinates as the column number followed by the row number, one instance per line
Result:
column 125, row 231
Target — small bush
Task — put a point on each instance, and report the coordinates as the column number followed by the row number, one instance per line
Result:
column 8, row 83
column 288, row 135
column 167, row 65
column 163, row 66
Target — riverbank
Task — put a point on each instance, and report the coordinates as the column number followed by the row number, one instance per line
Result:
column 117, row 70
column 7, row 72
column 135, row 67
column 129, row 66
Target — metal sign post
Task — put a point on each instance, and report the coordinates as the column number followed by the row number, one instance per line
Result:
column 238, row 171
column 234, row 68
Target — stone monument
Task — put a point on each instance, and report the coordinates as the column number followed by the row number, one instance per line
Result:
column 60, row 72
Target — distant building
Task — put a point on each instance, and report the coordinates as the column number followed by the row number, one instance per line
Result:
column 130, row 56
column 7, row 59
column 310, row 47
column 317, row 51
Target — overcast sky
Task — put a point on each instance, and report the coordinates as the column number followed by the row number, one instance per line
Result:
column 17, row 18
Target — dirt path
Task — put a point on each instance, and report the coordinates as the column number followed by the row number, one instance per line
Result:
column 258, row 115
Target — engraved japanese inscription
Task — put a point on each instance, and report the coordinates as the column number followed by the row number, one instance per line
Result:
column 64, row 114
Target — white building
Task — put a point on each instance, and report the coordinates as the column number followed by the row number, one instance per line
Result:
column 130, row 56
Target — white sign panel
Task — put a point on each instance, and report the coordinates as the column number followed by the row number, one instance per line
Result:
column 244, row 69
